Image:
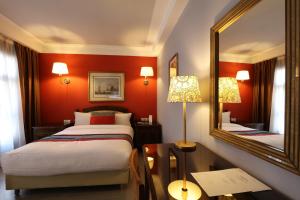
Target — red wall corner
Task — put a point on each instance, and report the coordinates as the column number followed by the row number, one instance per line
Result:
column 59, row 101
column 242, row 111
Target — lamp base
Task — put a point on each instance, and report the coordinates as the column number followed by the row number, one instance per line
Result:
column 176, row 190
column 185, row 146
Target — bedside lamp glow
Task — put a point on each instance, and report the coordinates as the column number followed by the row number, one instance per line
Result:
column 242, row 75
column 146, row 71
column 228, row 93
column 184, row 89
column 61, row 69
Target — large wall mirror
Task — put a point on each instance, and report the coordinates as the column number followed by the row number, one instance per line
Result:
column 255, row 58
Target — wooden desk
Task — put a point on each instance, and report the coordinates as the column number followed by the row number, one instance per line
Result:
column 166, row 170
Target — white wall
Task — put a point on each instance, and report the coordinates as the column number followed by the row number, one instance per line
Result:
column 191, row 39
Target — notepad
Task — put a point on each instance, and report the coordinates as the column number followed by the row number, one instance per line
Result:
column 229, row 181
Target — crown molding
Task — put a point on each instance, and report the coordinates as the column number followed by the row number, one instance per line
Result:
column 251, row 59
column 13, row 31
column 165, row 15
column 98, row 49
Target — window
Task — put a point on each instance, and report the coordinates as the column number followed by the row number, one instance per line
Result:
column 11, row 116
column 278, row 98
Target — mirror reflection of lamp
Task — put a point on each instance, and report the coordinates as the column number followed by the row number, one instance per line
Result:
column 228, row 93
column 61, row 68
column 242, row 75
column 146, row 72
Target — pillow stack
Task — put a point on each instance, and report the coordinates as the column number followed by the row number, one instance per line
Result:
column 102, row 117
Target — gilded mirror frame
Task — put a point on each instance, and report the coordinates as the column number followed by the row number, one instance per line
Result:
column 289, row 157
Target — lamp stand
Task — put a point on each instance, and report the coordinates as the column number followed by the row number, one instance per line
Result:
column 184, row 144
column 183, row 189
column 220, row 114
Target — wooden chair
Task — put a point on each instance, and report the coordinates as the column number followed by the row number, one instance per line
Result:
column 138, row 186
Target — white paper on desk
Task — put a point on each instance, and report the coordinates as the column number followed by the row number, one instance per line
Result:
column 229, row 181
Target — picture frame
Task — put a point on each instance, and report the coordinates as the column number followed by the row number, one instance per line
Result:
column 106, row 86
column 173, row 67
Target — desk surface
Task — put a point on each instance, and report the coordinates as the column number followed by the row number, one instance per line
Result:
column 168, row 166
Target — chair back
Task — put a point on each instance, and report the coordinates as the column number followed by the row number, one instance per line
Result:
column 135, row 175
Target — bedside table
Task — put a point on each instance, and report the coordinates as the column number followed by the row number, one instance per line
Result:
column 147, row 134
column 44, row 131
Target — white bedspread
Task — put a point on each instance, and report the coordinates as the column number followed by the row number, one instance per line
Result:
column 54, row 158
column 235, row 127
column 273, row 140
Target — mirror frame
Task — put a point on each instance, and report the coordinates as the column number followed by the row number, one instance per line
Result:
column 289, row 157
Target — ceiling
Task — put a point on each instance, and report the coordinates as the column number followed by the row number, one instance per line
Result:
column 95, row 23
column 258, row 33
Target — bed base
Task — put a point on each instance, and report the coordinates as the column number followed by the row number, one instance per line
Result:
column 67, row 180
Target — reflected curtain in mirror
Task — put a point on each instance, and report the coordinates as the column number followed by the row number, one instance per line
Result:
column 278, row 98
column 262, row 91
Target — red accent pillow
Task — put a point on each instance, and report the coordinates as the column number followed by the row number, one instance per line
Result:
column 102, row 120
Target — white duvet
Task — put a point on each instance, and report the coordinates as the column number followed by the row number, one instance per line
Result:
column 273, row 140
column 54, row 158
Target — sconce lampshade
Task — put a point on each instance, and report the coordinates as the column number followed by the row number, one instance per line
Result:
column 229, row 90
column 146, row 71
column 184, row 89
column 60, row 68
column 242, row 75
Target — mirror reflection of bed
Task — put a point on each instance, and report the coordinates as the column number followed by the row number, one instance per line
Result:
column 254, row 48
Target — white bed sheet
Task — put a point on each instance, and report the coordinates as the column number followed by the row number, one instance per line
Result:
column 54, row 158
column 272, row 140
column 235, row 127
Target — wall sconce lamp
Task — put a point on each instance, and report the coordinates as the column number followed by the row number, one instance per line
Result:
column 242, row 75
column 146, row 71
column 61, row 69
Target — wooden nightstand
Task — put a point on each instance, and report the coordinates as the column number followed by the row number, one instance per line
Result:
column 147, row 134
column 44, row 131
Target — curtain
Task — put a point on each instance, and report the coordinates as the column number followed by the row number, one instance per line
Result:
column 30, row 92
column 262, row 91
column 11, row 115
column 278, row 98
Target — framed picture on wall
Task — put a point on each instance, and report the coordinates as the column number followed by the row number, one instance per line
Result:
column 173, row 66
column 106, row 86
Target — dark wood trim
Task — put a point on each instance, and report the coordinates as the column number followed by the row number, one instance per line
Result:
column 114, row 108
column 289, row 158
column 148, row 178
column 177, row 69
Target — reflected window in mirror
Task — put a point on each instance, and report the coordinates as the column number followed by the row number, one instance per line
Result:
column 255, row 43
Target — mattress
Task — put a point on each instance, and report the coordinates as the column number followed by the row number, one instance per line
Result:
column 46, row 158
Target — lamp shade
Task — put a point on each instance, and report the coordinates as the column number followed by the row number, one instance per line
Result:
column 147, row 71
column 184, row 89
column 229, row 90
column 60, row 68
column 242, row 75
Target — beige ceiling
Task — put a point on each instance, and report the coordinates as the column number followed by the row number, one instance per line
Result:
column 109, row 23
column 260, row 30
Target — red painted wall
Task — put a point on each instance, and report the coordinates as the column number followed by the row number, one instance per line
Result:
column 242, row 111
column 59, row 101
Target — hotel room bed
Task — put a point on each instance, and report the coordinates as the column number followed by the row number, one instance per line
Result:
column 272, row 139
column 81, row 155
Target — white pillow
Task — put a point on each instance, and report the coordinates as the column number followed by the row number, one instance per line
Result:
column 122, row 118
column 226, row 117
column 82, row 118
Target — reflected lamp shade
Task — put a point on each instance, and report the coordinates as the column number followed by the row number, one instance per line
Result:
column 146, row 71
column 184, row 89
column 60, row 68
column 229, row 90
column 242, row 75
